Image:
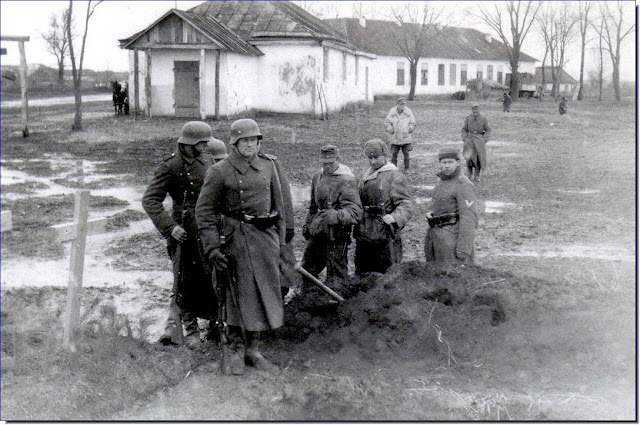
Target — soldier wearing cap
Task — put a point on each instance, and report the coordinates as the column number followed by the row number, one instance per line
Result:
column 240, row 215
column 181, row 176
column 334, row 208
column 454, row 217
column 387, row 206
column 400, row 123
column 475, row 134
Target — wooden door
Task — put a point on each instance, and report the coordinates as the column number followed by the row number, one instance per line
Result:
column 187, row 88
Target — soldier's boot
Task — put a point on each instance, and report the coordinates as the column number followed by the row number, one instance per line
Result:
column 171, row 330
column 213, row 333
column 253, row 356
column 192, row 332
column 470, row 171
column 406, row 163
column 477, row 178
column 237, row 352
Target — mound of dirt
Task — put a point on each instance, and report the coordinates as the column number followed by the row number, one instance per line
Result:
column 437, row 313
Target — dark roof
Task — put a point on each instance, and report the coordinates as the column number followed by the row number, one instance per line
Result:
column 564, row 78
column 377, row 37
column 253, row 20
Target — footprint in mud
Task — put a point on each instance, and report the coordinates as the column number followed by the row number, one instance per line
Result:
column 498, row 315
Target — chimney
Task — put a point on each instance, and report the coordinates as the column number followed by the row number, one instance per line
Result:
column 487, row 37
column 363, row 22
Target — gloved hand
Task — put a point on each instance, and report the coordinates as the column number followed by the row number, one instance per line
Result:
column 388, row 219
column 286, row 255
column 329, row 217
column 179, row 234
column 289, row 235
column 305, row 232
column 218, row 259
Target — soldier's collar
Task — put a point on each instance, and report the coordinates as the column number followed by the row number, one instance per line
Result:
column 242, row 165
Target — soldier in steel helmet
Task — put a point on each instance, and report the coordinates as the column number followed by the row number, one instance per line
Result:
column 240, row 215
column 454, row 217
column 387, row 205
column 334, row 208
column 181, row 176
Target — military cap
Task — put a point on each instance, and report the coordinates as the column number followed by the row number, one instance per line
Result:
column 452, row 153
column 217, row 149
column 329, row 153
column 375, row 147
column 400, row 101
column 194, row 132
column 475, row 106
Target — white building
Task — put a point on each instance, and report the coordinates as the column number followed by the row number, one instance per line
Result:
column 226, row 58
column 450, row 58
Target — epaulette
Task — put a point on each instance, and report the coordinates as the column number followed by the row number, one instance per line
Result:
column 268, row 156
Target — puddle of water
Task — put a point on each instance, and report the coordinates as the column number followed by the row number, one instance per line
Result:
column 300, row 194
column 576, row 251
column 422, row 200
column 424, row 186
column 579, row 192
column 496, row 207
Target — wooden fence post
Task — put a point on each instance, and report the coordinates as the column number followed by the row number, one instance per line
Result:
column 80, row 215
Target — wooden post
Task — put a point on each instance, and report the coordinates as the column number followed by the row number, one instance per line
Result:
column 202, row 80
column 6, row 221
column 23, row 80
column 217, row 83
column 80, row 215
column 136, row 83
column 24, row 90
column 147, row 83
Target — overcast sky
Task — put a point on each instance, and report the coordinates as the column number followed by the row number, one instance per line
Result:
column 114, row 20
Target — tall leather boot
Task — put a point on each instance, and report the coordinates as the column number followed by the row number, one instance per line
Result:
column 470, row 170
column 253, row 356
column 236, row 350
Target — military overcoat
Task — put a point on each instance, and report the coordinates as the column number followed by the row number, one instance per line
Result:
column 475, row 133
column 233, row 188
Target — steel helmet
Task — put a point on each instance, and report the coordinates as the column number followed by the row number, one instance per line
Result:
column 194, row 132
column 217, row 149
column 245, row 127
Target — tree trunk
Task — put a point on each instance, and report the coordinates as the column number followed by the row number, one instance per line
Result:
column 413, row 71
column 60, row 73
column 581, row 69
column 515, row 80
column 616, row 80
column 77, row 92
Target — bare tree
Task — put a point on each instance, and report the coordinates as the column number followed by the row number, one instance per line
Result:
column 419, row 25
column 76, row 68
column 57, row 40
column 584, row 7
column 564, row 31
column 612, row 32
column 511, row 21
column 545, row 19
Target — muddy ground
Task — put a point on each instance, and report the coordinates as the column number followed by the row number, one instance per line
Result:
column 542, row 328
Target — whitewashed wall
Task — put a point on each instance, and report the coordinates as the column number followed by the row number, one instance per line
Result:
column 385, row 76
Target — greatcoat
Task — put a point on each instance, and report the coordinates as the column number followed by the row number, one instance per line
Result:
column 181, row 178
column 475, row 133
column 453, row 194
column 235, row 188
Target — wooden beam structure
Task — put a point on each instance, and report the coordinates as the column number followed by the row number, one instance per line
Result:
column 23, row 79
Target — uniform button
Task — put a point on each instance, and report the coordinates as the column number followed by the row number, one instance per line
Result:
column 239, row 181
column 242, row 191
column 188, row 174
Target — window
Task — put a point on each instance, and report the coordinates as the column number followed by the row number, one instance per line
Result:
column 325, row 64
column 479, row 71
column 499, row 76
column 356, row 70
column 441, row 74
column 490, row 72
column 344, row 67
column 452, row 74
column 424, row 74
column 400, row 75
column 463, row 75
column 507, row 79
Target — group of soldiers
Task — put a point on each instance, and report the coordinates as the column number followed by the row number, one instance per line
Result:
column 230, row 230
